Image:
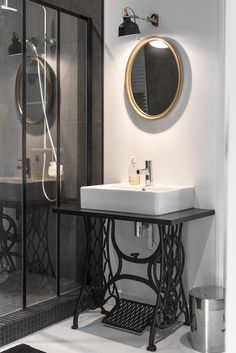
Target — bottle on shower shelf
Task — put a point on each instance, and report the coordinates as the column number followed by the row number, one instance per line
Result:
column 37, row 160
column 36, row 167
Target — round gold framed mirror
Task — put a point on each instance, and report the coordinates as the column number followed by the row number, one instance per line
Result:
column 34, row 107
column 154, row 77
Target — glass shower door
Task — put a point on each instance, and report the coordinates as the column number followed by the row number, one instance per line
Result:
column 45, row 52
column 10, row 163
column 41, row 142
column 57, row 120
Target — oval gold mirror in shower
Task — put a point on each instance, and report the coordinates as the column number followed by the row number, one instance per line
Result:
column 34, row 106
column 154, row 77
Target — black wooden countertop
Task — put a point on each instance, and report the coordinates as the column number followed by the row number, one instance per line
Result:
column 167, row 218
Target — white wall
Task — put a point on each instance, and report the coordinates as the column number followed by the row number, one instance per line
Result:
column 231, row 177
column 187, row 147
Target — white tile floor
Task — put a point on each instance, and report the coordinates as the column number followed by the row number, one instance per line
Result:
column 92, row 337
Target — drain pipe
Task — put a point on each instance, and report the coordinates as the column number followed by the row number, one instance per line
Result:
column 144, row 229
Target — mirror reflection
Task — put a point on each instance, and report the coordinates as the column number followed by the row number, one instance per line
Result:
column 35, row 66
column 154, row 77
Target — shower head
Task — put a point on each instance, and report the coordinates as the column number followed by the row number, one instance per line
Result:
column 4, row 7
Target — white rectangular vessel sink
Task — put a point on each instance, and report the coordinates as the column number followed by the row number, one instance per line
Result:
column 153, row 200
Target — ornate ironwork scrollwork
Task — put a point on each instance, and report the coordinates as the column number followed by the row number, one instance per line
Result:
column 164, row 275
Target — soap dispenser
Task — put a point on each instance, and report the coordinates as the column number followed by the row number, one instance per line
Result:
column 134, row 178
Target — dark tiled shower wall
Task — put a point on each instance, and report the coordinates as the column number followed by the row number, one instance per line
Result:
column 71, row 227
column 93, row 9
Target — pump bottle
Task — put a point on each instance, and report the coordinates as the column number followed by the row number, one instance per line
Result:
column 134, row 178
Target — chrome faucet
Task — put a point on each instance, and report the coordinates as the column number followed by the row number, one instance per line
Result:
column 148, row 173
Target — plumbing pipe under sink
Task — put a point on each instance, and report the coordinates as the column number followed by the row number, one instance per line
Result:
column 145, row 230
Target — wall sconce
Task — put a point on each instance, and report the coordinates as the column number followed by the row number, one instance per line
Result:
column 130, row 26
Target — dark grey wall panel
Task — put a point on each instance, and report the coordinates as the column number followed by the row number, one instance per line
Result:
column 72, row 234
column 93, row 9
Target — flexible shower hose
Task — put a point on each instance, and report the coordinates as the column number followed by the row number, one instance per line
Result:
column 47, row 125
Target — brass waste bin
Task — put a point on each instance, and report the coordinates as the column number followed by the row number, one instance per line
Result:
column 207, row 319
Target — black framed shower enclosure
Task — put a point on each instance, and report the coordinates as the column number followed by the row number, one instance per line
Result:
column 87, row 23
